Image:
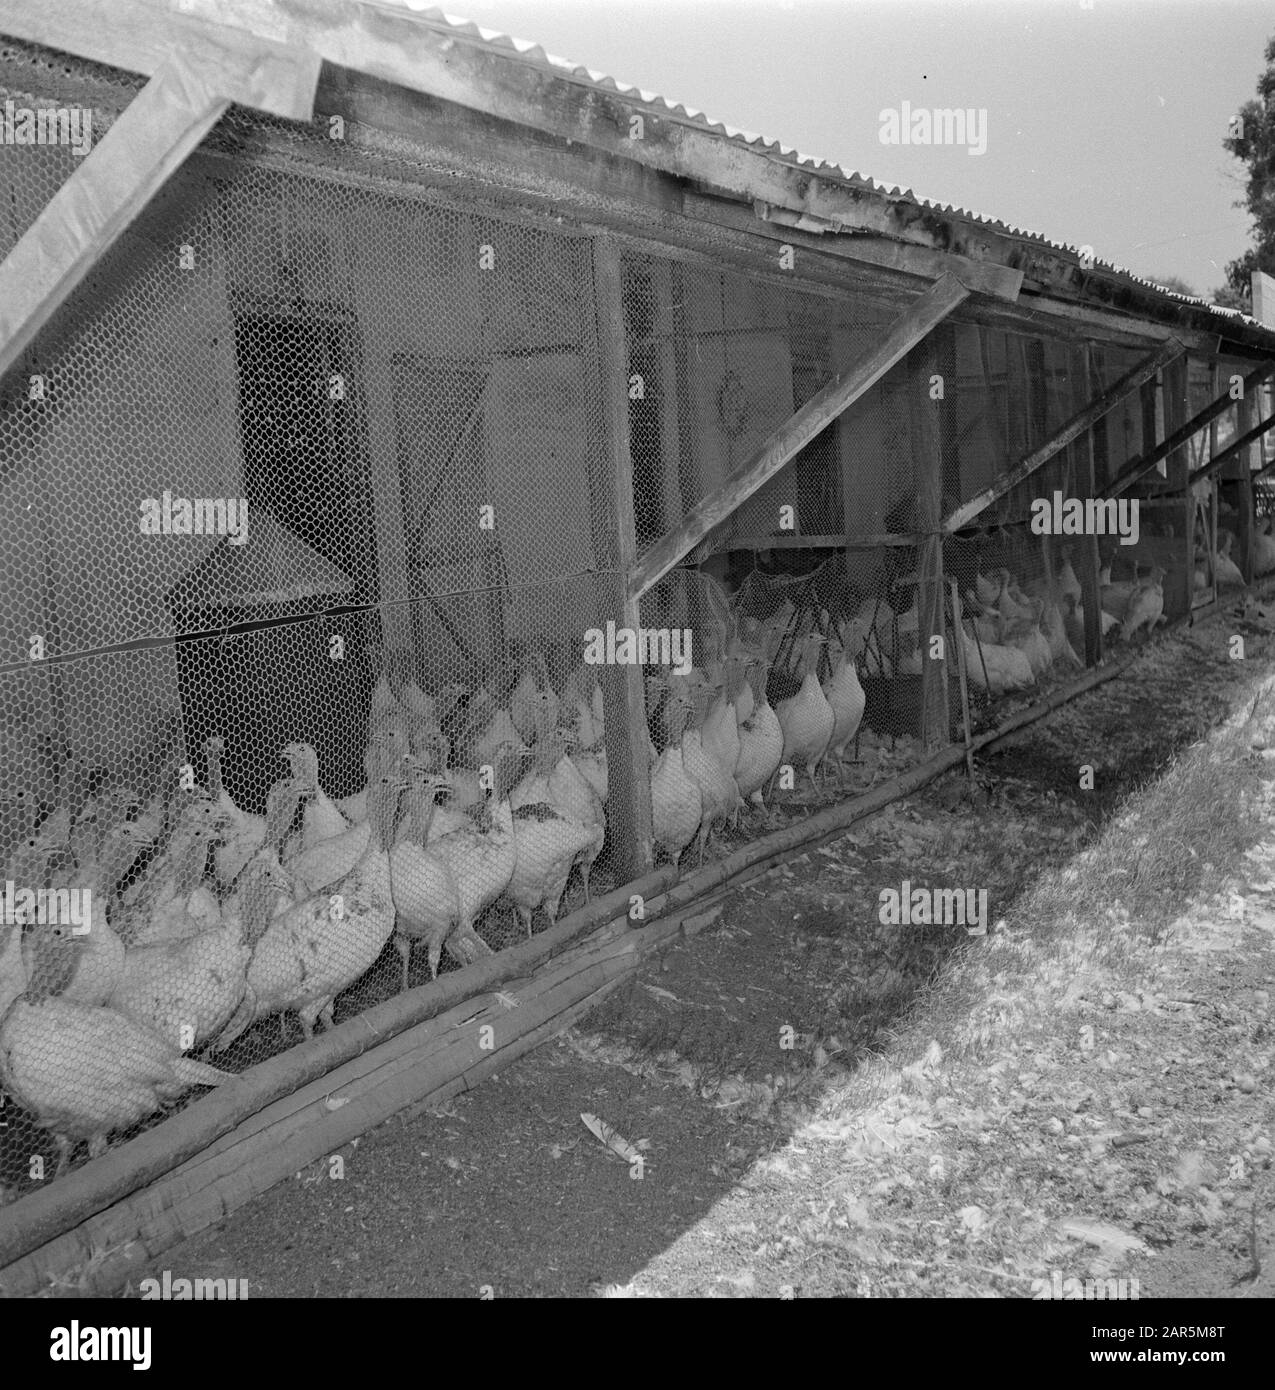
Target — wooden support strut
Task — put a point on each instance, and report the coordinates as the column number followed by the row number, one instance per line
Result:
column 794, row 434
column 1073, row 428
column 927, row 464
column 1176, row 409
column 1247, row 438
column 1087, row 550
column 623, row 695
column 148, row 142
column 1144, row 464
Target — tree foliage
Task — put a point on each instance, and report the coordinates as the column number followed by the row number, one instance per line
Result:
column 1252, row 140
column 1177, row 284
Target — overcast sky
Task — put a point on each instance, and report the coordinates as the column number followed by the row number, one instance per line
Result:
column 1103, row 124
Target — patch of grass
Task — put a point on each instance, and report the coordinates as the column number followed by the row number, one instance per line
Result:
column 1175, row 838
column 1178, row 837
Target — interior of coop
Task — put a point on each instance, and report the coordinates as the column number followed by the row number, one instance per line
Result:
column 466, row 389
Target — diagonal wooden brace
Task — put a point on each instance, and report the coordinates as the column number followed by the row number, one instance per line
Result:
column 148, row 142
column 795, row 433
column 1080, row 422
column 1143, row 465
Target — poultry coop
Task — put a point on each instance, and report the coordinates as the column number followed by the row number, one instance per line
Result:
column 335, row 486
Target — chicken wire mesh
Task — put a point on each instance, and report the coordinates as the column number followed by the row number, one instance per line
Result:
column 318, row 494
column 317, row 515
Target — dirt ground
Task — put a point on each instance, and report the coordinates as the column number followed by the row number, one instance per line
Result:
column 828, row 1106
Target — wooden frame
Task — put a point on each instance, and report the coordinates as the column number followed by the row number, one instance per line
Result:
column 164, row 123
column 1087, row 484
column 623, row 692
column 1177, row 407
column 1072, row 429
column 1250, row 436
column 1149, row 458
column 795, row 433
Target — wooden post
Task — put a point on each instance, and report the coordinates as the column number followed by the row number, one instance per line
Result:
column 927, row 465
column 1093, row 457
column 1216, row 497
column 1177, row 411
column 1248, row 420
column 670, row 312
column 958, row 620
column 623, row 693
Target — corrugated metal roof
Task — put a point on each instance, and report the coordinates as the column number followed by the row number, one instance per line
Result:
column 535, row 54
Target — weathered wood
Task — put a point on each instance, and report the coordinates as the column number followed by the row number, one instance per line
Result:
column 671, row 311
column 794, row 434
column 160, row 127
column 1216, row 382
column 1148, row 459
column 852, row 542
column 1081, row 421
column 1244, row 499
column 1090, row 561
column 1043, row 313
column 152, row 137
column 927, row 464
column 418, row 52
column 1180, row 588
column 981, row 277
column 958, row 619
column 135, row 36
column 624, row 699
column 1233, row 449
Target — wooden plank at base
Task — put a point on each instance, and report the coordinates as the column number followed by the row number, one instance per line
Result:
column 103, row 1181
column 1081, row 421
column 794, row 434
column 927, row 483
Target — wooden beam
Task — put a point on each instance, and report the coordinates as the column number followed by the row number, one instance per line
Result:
column 1081, row 421
column 982, row 277
column 138, row 37
column 1054, row 317
column 1244, row 525
column 794, row 434
column 623, row 694
column 1149, row 458
column 787, row 541
column 148, row 142
column 927, row 466
column 1095, row 451
column 1177, row 409
column 1215, row 495
column 1233, row 448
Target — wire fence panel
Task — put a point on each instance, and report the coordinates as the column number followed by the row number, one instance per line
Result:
column 312, row 635
column 297, row 711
